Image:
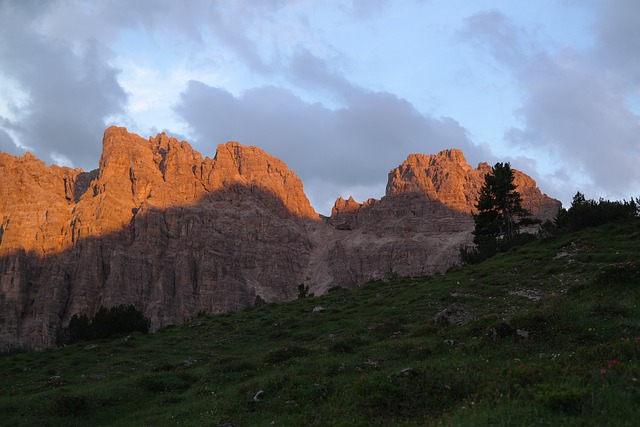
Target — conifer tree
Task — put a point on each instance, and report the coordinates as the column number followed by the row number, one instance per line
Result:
column 500, row 214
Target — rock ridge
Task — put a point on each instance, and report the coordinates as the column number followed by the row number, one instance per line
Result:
column 174, row 233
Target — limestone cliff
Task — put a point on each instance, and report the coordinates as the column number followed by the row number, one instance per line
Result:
column 418, row 227
column 448, row 178
column 157, row 226
column 175, row 234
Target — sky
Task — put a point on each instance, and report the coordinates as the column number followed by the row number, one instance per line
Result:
column 340, row 90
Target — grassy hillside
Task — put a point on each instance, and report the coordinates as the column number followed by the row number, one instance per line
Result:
column 554, row 339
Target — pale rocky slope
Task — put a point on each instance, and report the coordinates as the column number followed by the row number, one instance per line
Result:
column 175, row 234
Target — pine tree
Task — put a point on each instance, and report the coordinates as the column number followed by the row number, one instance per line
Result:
column 500, row 214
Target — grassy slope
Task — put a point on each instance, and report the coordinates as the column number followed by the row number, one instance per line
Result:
column 375, row 355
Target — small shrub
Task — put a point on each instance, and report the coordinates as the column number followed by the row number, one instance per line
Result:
column 412, row 393
column 231, row 364
column 385, row 329
column 346, row 345
column 152, row 383
column 165, row 367
column 610, row 310
column 392, row 274
column 562, row 398
column 620, row 274
column 472, row 255
column 303, row 291
column 67, row 404
column 259, row 301
column 166, row 381
column 501, row 330
column 285, row 353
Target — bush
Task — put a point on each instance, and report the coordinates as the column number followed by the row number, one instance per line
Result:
column 303, row 291
column 121, row 319
column 284, row 354
column 566, row 399
column 66, row 404
column 412, row 393
column 621, row 274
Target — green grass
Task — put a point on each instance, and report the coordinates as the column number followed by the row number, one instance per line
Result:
column 375, row 356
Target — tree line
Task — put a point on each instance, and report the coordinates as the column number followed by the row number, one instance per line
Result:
column 121, row 319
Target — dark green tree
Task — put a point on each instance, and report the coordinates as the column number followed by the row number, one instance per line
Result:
column 499, row 216
column 303, row 291
column 106, row 322
column 589, row 213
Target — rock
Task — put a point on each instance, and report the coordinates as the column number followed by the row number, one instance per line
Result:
column 417, row 228
column 258, row 396
column 447, row 178
column 159, row 227
column 91, row 346
column 455, row 314
column 189, row 361
column 318, row 309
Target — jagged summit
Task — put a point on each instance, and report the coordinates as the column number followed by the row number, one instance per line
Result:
column 175, row 234
column 446, row 177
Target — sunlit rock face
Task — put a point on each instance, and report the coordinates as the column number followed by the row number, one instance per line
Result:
column 446, row 177
column 420, row 224
column 175, row 234
column 156, row 226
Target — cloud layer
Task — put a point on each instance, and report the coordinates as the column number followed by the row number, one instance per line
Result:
column 576, row 103
column 341, row 91
column 349, row 147
column 71, row 88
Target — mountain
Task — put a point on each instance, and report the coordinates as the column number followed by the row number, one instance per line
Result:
column 175, row 234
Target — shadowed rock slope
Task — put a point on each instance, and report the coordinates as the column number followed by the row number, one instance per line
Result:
column 175, row 234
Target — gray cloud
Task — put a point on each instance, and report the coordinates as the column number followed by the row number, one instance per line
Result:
column 349, row 147
column 579, row 114
column 618, row 39
column 71, row 89
column 575, row 105
column 492, row 32
column 57, row 52
column 7, row 145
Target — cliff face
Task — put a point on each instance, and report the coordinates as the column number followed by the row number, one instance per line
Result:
column 418, row 227
column 448, row 178
column 175, row 234
column 156, row 226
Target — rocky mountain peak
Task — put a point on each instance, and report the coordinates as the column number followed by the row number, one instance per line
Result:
column 447, row 178
column 175, row 234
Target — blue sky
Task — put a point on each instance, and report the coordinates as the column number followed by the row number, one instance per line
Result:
column 342, row 91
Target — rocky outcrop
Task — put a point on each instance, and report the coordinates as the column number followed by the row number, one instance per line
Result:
column 448, row 178
column 418, row 227
column 175, row 234
column 157, row 226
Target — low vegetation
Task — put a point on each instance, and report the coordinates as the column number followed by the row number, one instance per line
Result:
column 107, row 321
column 547, row 333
